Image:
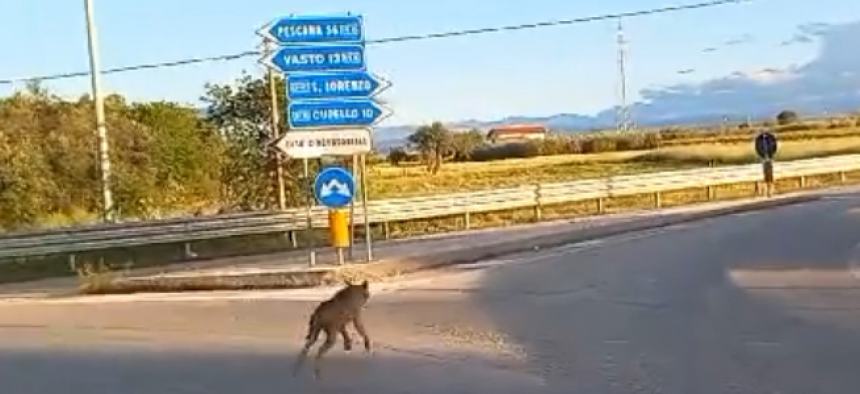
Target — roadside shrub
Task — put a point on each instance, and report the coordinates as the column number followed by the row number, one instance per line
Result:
column 673, row 133
column 840, row 124
column 507, row 151
column 630, row 142
column 397, row 156
column 599, row 145
column 372, row 159
column 653, row 140
column 554, row 146
column 787, row 117
column 796, row 127
column 574, row 145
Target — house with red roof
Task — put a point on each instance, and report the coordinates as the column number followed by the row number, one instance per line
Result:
column 516, row 133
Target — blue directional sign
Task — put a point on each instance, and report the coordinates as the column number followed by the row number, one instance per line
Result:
column 334, row 85
column 334, row 187
column 335, row 113
column 314, row 29
column 319, row 58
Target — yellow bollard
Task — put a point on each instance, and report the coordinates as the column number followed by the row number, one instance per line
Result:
column 338, row 225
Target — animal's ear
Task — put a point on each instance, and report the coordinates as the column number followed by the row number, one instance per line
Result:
column 365, row 284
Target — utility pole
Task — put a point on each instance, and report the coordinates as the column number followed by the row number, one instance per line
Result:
column 276, row 133
column 623, row 116
column 101, row 126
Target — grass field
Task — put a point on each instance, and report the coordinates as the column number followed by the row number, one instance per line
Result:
column 411, row 180
column 743, row 153
column 387, row 181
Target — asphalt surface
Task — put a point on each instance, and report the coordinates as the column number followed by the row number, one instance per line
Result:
column 762, row 302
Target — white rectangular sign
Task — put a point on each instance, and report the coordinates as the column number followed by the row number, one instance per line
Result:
column 311, row 144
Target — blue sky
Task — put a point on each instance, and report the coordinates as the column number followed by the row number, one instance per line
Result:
column 538, row 72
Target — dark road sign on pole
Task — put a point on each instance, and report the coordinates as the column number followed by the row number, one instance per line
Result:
column 766, row 145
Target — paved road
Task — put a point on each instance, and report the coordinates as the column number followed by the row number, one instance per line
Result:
column 763, row 302
column 759, row 303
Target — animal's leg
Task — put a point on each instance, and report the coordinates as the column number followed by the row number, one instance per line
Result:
column 330, row 338
column 311, row 339
column 359, row 326
column 347, row 341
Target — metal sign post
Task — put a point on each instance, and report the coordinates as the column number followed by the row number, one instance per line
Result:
column 312, row 253
column 276, row 134
column 352, row 212
column 368, row 237
column 767, row 168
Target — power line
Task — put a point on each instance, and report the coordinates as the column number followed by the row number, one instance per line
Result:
column 562, row 22
column 459, row 33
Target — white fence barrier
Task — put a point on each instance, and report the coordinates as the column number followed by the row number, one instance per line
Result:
column 80, row 239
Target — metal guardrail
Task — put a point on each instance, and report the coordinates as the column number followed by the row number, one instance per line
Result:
column 122, row 235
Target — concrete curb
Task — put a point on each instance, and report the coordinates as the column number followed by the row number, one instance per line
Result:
column 288, row 279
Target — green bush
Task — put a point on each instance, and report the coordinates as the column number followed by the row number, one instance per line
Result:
column 672, row 133
column 797, row 127
column 599, row 145
column 507, row 151
column 553, row 146
column 630, row 142
column 574, row 146
column 371, row 159
column 653, row 140
column 840, row 124
column 397, row 156
column 787, row 117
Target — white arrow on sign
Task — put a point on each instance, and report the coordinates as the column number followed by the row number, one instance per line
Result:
column 312, row 144
column 335, row 187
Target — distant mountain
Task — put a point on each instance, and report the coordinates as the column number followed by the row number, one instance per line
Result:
column 567, row 122
column 387, row 138
column 828, row 84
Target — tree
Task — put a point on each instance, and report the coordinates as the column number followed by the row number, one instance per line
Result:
column 786, row 117
column 463, row 145
column 397, row 156
column 46, row 163
column 187, row 154
column 26, row 186
column 241, row 115
column 434, row 143
column 165, row 159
